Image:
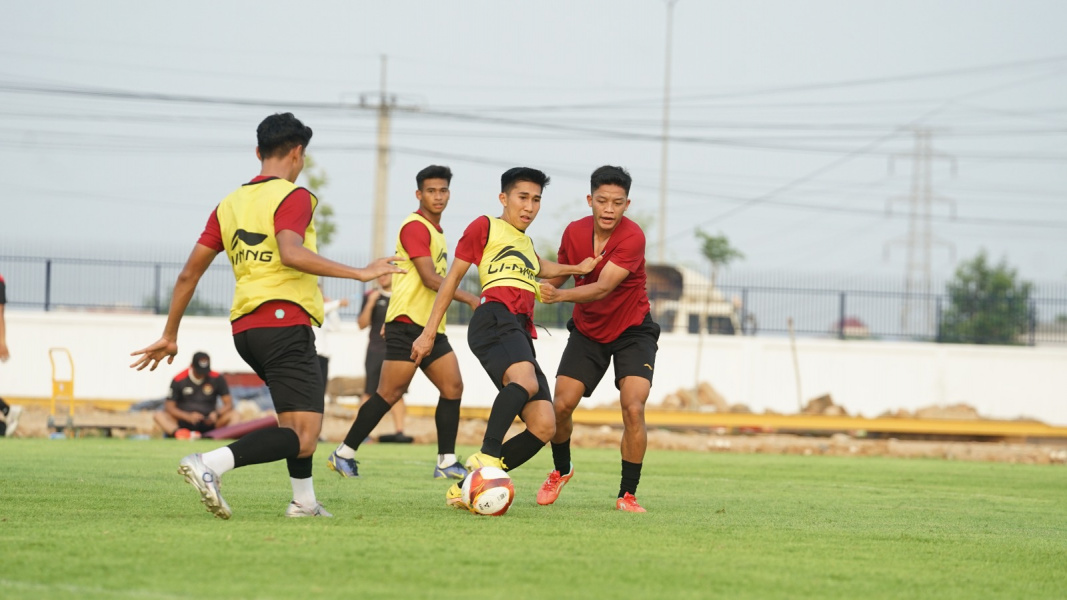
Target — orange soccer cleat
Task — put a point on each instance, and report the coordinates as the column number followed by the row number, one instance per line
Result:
column 628, row 503
column 552, row 486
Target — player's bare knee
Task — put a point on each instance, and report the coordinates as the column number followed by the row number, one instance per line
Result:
column 634, row 413
column 530, row 385
column 543, row 429
column 563, row 411
column 307, row 447
column 391, row 394
column 454, row 390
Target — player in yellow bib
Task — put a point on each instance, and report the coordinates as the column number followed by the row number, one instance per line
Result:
column 501, row 330
column 267, row 230
column 424, row 254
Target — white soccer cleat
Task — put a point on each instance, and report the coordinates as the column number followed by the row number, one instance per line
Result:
column 206, row 482
column 295, row 510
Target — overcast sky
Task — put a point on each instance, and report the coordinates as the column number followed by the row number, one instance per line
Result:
column 122, row 124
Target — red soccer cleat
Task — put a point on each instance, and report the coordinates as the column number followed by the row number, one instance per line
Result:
column 627, row 503
column 552, row 486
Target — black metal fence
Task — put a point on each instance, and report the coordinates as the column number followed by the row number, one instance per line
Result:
column 740, row 304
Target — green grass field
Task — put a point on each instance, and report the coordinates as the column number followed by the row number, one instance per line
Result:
column 101, row 518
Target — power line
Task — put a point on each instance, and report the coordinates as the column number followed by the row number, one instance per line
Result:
column 793, row 88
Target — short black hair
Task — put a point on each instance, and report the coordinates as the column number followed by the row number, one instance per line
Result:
column 280, row 133
column 517, row 174
column 433, row 172
column 609, row 175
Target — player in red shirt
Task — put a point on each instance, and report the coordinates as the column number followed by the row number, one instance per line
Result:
column 501, row 330
column 611, row 322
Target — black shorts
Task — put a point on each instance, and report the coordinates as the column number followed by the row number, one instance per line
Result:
column 399, row 337
column 634, row 354
column 373, row 369
column 200, row 427
column 499, row 339
column 285, row 358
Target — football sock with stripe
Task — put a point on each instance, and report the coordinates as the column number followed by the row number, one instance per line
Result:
column 300, row 479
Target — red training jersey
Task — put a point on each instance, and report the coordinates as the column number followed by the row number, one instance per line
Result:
column 471, row 248
column 625, row 306
column 294, row 214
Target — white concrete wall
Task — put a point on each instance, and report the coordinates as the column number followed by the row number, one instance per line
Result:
column 864, row 377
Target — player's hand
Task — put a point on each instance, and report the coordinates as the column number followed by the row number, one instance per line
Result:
column 588, row 264
column 549, row 293
column 474, row 304
column 343, row 302
column 212, row 418
column 151, row 355
column 382, row 332
column 4, row 354
column 382, row 266
column 373, row 296
column 421, row 347
column 195, row 418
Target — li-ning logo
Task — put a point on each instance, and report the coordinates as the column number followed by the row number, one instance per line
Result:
column 527, row 270
column 441, row 262
column 249, row 239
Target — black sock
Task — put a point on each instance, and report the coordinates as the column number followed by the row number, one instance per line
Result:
column 507, row 405
column 446, row 417
column 561, row 456
column 520, row 449
column 264, row 446
column 4, row 408
column 299, row 468
column 631, row 476
column 370, row 414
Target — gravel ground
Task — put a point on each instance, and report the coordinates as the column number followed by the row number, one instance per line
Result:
column 338, row 419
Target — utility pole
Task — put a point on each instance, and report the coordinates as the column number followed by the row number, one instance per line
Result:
column 920, row 239
column 661, row 255
column 386, row 104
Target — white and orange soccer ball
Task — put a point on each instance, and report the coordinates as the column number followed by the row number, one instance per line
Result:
column 488, row 491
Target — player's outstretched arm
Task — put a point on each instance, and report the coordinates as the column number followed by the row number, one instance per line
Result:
column 610, row 278
column 430, row 278
column 167, row 346
column 295, row 256
column 550, row 270
column 422, row 346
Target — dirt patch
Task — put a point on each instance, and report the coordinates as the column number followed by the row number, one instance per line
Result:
column 34, row 423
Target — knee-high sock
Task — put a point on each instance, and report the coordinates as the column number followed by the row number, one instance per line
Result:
column 520, row 449
column 370, row 414
column 264, row 446
column 631, row 476
column 507, row 405
column 446, row 417
column 561, row 456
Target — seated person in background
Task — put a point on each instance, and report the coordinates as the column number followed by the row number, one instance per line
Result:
column 193, row 403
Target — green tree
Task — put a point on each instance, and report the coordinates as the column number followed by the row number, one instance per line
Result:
column 718, row 251
column 317, row 179
column 987, row 304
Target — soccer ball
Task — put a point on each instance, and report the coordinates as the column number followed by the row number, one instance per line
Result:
column 488, row 491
